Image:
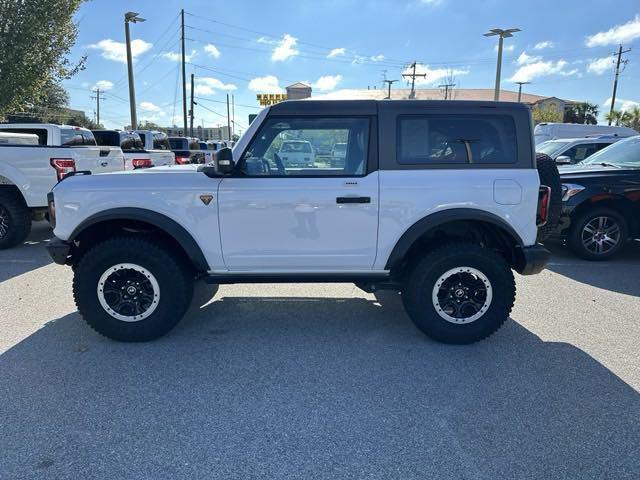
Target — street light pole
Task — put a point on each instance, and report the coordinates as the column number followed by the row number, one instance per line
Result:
column 520, row 89
column 502, row 34
column 131, row 17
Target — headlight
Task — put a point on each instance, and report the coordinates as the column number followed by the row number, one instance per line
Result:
column 569, row 190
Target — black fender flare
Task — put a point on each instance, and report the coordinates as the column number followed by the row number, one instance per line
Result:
column 158, row 220
column 434, row 220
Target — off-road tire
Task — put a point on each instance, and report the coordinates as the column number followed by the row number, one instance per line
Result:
column 17, row 215
column 420, row 283
column 549, row 176
column 574, row 238
column 174, row 277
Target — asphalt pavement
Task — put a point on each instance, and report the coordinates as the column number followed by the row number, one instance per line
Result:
column 322, row 381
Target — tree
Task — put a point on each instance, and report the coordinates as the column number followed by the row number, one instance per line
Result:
column 620, row 118
column 545, row 114
column 585, row 113
column 35, row 38
column 147, row 125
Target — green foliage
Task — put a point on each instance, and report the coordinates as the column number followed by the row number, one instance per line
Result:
column 35, row 39
column 628, row 118
column 546, row 114
column 585, row 113
column 147, row 125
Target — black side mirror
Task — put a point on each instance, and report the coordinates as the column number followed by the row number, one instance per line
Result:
column 224, row 161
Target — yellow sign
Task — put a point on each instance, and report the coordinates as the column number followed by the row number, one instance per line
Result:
column 266, row 99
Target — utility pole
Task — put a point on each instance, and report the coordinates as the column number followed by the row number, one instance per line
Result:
column 233, row 116
column 97, row 99
column 228, row 120
column 131, row 17
column 389, row 83
column 619, row 61
column 446, row 87
column 520, row 89
column 502, row 34
column 184, row 74
column 191, row 115
column 413, row 79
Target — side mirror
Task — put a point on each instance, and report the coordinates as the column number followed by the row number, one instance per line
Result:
column 224, row 161
column 563, row 160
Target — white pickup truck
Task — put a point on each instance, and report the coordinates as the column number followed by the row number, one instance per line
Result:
column 135, row 154
column 33, row 158
column 157, row 144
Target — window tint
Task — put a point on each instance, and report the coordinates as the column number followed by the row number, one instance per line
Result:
column 130, row 141
column 303, row 146
column 143, row 137
column 72, row 137
column 456, row 139
column 41, row 132
column 177, row 144
column 107, row 138
column 579, row 152
column 161, row 142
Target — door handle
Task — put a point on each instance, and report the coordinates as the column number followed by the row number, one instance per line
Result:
column 353, row 200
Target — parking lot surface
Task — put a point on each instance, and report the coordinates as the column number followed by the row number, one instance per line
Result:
column 323, row 381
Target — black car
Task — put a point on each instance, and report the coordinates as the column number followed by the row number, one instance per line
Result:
column 601, row 201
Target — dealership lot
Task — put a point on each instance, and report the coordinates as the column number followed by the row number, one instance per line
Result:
column 322, row 381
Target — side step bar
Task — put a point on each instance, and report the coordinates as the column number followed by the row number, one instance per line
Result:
column 230, row 278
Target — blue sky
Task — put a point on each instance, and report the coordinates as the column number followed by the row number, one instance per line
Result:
column 245, row 47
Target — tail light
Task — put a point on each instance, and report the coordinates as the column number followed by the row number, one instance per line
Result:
column 63, row 166
column 182, row 160
column 141, row 163
column 544, row 198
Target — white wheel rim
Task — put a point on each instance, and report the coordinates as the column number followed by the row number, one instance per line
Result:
column 473, row 296
column 148, row 292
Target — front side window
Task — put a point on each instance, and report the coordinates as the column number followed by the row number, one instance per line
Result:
column 577, row 153
column 456, row 139
column 305, row 147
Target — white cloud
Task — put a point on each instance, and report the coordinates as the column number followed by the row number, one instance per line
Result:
column 525, row 59
column 209, row 85
column 539, row 68
column 434, row 75
column 506, row 48
column 622, row 104
column 150, row 107
column 177, row 57
column 117, row 51
column 358, row 59
column 600, row 65
column 212, row 50
column 266, row 40
column 285, row 48
column 337, row 52
column 618, row 34
column 103, row 85
column 327, row 82
column 543, row 45
column 430, row 3
column 266, row 84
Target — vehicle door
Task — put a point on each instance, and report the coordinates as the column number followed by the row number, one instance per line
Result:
column 274, row 217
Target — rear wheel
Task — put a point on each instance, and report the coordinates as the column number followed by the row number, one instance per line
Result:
column 598, row 234
column 15, row 219
column 460, row 293
column 131, row 289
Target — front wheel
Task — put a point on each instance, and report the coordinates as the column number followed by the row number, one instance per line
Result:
column 598, row 234
column 131, row 289
column 460, row 293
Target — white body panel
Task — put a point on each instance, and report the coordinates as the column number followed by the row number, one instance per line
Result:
column 552, row 131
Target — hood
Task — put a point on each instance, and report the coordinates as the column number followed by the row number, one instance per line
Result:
column 592, row 171
column 189, row 168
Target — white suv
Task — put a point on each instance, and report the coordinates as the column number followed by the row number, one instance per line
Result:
column 437, row 200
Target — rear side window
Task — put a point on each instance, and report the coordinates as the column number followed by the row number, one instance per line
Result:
column 130, row 141
column 41, row 132
column 107, row 138
column 161, row 142
column 177, row 144
column 456, row 139
column 70, row 137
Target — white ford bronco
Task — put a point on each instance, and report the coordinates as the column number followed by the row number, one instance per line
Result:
column 439, row 200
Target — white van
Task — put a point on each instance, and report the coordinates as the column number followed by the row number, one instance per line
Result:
column 553, row 131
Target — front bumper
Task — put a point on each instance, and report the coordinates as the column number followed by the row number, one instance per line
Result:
column 532, row 260
column 59, row 251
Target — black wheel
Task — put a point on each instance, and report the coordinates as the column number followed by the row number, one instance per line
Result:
column 549, row 176
column 597, row 234
column 459, row 293
column 131, row 289
column 15, row 219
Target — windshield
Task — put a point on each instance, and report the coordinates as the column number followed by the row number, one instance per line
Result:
column 625, row 153
column 551, row 147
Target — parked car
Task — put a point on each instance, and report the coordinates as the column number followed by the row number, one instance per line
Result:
column 187, row 150
column 33, row 157
column 135, row 156
column 601, row 201
column 217, row 145
column 338, row 154
column 156, row 144
column 569, row 151
column 208, row 152
column 552, row 131
column 416, row 208
column 297, row 153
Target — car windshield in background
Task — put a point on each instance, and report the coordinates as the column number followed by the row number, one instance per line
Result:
column 625, row 153
column 551, row 147
column 71, row 137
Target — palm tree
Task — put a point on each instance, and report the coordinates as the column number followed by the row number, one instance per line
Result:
column 615, row 117
column 633, row 119
column 585, row 113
